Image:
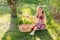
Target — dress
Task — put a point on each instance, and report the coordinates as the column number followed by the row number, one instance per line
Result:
column 38, row 25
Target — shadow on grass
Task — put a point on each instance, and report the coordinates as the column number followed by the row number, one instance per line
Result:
column 14, row 33
column 43, row 35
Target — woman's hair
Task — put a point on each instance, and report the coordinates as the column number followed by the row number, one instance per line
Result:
column 41, row 8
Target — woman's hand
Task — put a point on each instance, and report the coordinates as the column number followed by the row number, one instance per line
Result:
column 27, row 16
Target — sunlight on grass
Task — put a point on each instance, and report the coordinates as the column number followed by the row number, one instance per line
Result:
column 53, row 29
column 4, row 24
column 53, row 35
column 8, row 37
column 8, row 31
column 37, row 38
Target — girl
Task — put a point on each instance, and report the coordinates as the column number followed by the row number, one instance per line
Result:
column 41, row 20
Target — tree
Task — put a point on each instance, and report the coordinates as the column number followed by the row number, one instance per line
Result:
column 12, row 4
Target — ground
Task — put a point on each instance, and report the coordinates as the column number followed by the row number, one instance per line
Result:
column 9, row 31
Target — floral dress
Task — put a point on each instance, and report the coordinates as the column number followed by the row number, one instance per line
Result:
column 38, row 24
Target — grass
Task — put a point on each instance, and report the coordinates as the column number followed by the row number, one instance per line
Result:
column 12, row 32
column 9, row 26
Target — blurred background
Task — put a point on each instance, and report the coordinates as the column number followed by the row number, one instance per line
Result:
column 12, row 13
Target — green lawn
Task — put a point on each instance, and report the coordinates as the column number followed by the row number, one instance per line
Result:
column 9, row 26
column 10, row 31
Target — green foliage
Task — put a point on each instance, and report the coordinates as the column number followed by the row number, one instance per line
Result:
column 29, row 7
column 32, row 5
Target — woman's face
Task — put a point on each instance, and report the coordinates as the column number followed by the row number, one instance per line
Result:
column 39, row 10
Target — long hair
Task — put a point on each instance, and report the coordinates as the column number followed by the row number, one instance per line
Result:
column 41, row 8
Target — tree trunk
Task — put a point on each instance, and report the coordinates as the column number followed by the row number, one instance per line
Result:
column 12, row 4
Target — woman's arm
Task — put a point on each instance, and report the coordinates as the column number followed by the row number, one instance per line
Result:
column 44, row 19
column 35, row 18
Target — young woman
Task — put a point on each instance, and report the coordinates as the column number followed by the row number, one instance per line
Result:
column 41, row 20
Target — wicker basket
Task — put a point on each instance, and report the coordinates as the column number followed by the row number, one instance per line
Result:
column 25, row 27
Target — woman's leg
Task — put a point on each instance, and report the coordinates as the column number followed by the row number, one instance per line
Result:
column 33, row 32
